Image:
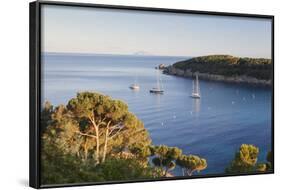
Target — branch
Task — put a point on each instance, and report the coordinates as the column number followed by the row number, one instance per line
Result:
column 103, row 119
column 93, row 121
column 102, row 122
column 115, row 133
column 101, row 133
column 114, row 127
column 85, row 134
column 113, row 130
column 117, row 126
column 108, row 124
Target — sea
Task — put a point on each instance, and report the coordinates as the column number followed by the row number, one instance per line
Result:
column 212, row 127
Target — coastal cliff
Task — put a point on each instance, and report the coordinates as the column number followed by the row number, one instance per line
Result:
column 225, row 68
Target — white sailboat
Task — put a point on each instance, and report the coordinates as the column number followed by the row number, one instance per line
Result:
column 157, row 89
column 196, row 89
column 135, row 86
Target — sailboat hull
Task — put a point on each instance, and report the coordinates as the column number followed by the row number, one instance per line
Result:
column 196, row 96
column 134, row 87
column 156, row 91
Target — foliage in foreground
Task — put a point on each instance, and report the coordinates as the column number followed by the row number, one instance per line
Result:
column 93, row 126
column 191, row 163
column 246, row 160
column 95, row 138
column 60, row 169
column 165, row 157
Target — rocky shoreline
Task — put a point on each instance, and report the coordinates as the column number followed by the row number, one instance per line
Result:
column 171, row 70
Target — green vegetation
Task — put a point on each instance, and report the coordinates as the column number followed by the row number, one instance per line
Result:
column 95, row 138
column 191, row 163
column 165, row 157
column 246, row 161
column 59, row 169
column 105, row 124
column 227, row 65
column 269, row 159
column 84, row 133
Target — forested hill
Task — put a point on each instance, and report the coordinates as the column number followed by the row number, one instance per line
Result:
column 228, row 66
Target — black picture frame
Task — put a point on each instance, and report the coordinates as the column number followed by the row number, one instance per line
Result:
column 35, row 85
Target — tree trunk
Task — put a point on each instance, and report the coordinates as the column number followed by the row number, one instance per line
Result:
column 86, row 149
column 166, row 171
column 96, row 127
column 189, row 172
column 105, row 144
column 86, row 154
column 98, row 146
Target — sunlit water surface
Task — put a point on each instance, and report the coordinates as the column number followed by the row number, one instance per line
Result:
column 212, row 127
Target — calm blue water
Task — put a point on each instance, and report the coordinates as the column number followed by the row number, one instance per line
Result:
column 213, row 127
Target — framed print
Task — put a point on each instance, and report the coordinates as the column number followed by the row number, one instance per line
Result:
column 131, row 94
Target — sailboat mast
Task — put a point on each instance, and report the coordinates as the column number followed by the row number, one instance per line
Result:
column 158, row 85
column 136, row 78
column 193, row 86
column 197, row 84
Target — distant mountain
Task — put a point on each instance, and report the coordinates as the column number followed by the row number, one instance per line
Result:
column 142, row 53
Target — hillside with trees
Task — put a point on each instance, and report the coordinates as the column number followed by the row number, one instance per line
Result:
column 225, row 66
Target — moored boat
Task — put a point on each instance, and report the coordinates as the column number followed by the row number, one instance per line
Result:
column 196, row 90
column 157, row 89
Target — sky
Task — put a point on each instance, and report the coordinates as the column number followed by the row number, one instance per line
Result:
column 107, row 31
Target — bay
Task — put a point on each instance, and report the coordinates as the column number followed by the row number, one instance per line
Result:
column 213, row 127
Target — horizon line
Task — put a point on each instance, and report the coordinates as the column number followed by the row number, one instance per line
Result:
column 117, row 54
column 153, row 55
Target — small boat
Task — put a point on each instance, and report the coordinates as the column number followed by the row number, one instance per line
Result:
column 196, row 90
column 134, row 87
column 157, row 89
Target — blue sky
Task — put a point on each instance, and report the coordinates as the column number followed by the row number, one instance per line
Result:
column 92, row 30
